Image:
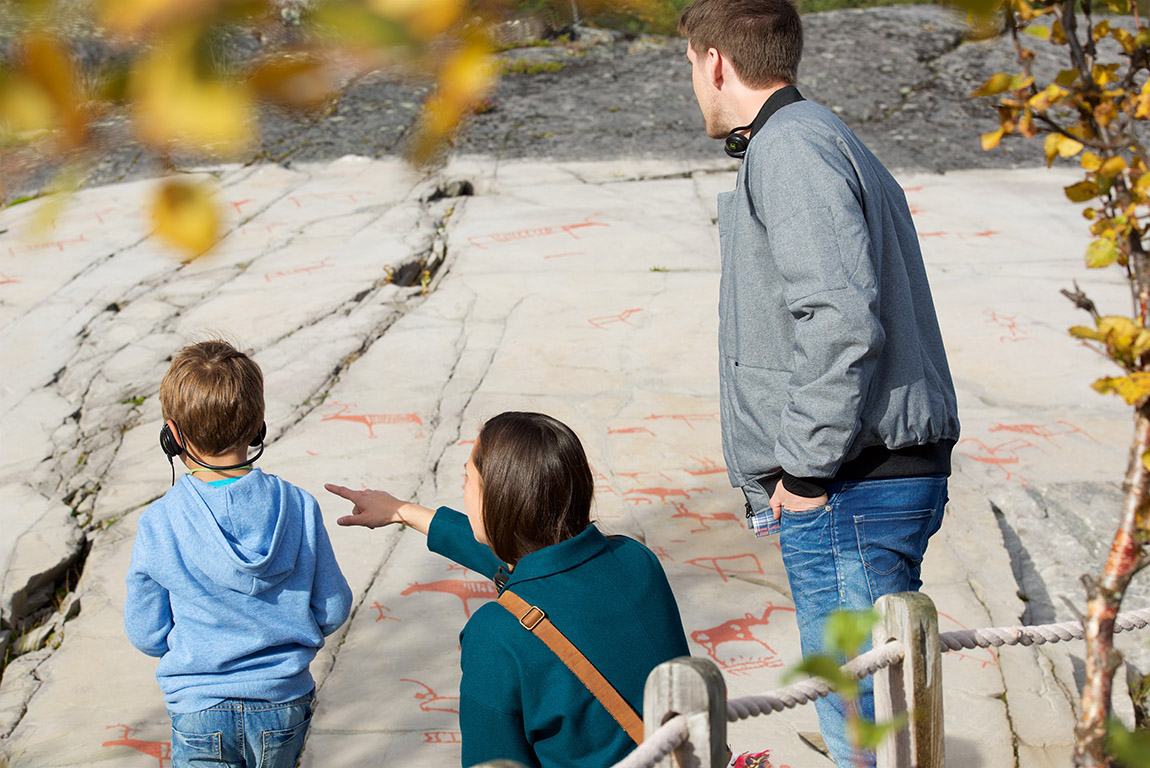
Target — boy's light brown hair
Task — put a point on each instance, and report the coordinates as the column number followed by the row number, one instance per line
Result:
column 762, row 38
column 215, row 395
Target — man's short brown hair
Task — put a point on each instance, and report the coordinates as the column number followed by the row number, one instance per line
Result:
column 762, row 38
column 536, row 483
column 215, row 395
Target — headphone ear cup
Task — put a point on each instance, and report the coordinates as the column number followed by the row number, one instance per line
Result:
column 736, row 144
column 168, row 442
column 259, row 438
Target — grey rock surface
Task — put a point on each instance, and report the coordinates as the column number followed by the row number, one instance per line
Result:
column 900, row 76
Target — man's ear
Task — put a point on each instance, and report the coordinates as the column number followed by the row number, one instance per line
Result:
column 715, row 67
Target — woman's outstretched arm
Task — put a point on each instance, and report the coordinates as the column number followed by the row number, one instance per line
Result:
column 376, row 508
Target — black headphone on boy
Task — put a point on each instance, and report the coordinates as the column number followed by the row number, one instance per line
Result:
column 173, row 448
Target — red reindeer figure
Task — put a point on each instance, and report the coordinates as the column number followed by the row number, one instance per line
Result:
column 369, row 420
column 461, row 588
column 741, row 632
column 161, row 750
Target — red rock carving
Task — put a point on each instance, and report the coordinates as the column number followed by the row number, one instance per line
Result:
column 369, row 420
column 461, row 588
column 707, row 467
column 58, row 244
column 1012, row 332
column 998, row 455
column 686, row 418
column 703, row 520
column 1043, row 430
column 5, row 280
column 977, row 654
column 663, row 493
column 605, row 320
column 352, row 196
column 484, row 241
column 430, row 701
column 442, row 737
column 381, row 609
column 734, row 646
column 720, row 564
column 161, row 750
column 324, row 264
column 629, row 431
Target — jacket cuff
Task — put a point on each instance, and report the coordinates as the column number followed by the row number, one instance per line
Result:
column 807, row 487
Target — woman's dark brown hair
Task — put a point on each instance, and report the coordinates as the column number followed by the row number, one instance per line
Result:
column 537, row 485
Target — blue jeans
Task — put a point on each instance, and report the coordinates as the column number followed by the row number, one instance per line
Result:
column 241, row 733
column 868, row 540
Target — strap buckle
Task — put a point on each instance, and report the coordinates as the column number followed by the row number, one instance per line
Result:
column 532, row 618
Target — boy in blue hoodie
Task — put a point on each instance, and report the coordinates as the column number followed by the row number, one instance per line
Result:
column 233, row 582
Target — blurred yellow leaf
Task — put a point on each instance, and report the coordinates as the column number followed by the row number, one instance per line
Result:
column 174, row 106
column 1041, row 32
column 294, row 81
column 1112, row 167
column 992, row 139
column 1041, row 101
column 1134, row 389
column 1105, row 112
column 1101, row 29
column 25, row 109
column 1067, row 147
column 1101, row 253
column 994, row 85
column 130, row 17
column 1057, row 33
column 1091, row 161
column 1066, row 77
column 1082, row 191
column 469, row 74
column 184, row 213
column 1124, row 38
column 425, row 19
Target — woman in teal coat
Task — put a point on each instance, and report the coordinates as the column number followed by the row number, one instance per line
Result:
column 528, row 502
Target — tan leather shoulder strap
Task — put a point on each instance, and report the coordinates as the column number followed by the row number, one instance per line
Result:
column 535, row 621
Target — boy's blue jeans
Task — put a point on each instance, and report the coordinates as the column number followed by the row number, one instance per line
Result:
column 241, row 733
column 868, row 540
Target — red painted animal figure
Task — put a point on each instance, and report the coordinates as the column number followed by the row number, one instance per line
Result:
column 369, row 420
column 161, row 750
column 704, row 520
column 429, row 701
column 464, row 590
column 726, row 565
column 740, row 631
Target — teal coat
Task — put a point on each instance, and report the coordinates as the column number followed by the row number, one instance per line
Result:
column 517, row 701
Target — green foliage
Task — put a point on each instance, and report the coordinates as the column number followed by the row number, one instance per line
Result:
column 524, row 67
column 845, row 634
column 1130, row 749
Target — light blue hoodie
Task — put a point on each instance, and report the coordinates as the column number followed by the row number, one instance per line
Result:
column 234, row 587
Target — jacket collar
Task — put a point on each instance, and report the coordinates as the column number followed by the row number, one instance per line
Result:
column 559, row 557
column 788, row 94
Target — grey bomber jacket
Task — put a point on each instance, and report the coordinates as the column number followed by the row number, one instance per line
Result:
column 828, row 339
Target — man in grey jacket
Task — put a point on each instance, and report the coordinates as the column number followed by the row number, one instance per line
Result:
column 838, row 410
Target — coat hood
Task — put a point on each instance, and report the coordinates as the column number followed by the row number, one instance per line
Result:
column 243, row 536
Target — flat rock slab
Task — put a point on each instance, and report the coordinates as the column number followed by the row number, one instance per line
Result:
column 585, row 290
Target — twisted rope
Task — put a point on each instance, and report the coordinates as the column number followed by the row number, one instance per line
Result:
column 658, row 745
column 806, row 691
column 870, row 662
column 1038, row 635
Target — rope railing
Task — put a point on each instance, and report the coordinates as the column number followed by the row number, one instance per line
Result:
column 658, row 745
column 870, row 662
column 676, row 731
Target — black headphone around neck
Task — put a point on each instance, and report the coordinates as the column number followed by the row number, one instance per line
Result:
column 172, row 448
column 736, row 143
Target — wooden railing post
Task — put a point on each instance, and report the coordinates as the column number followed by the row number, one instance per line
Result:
column 913, row 686
column 694, row 688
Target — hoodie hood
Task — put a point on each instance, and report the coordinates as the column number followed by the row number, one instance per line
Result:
column 242, row 535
